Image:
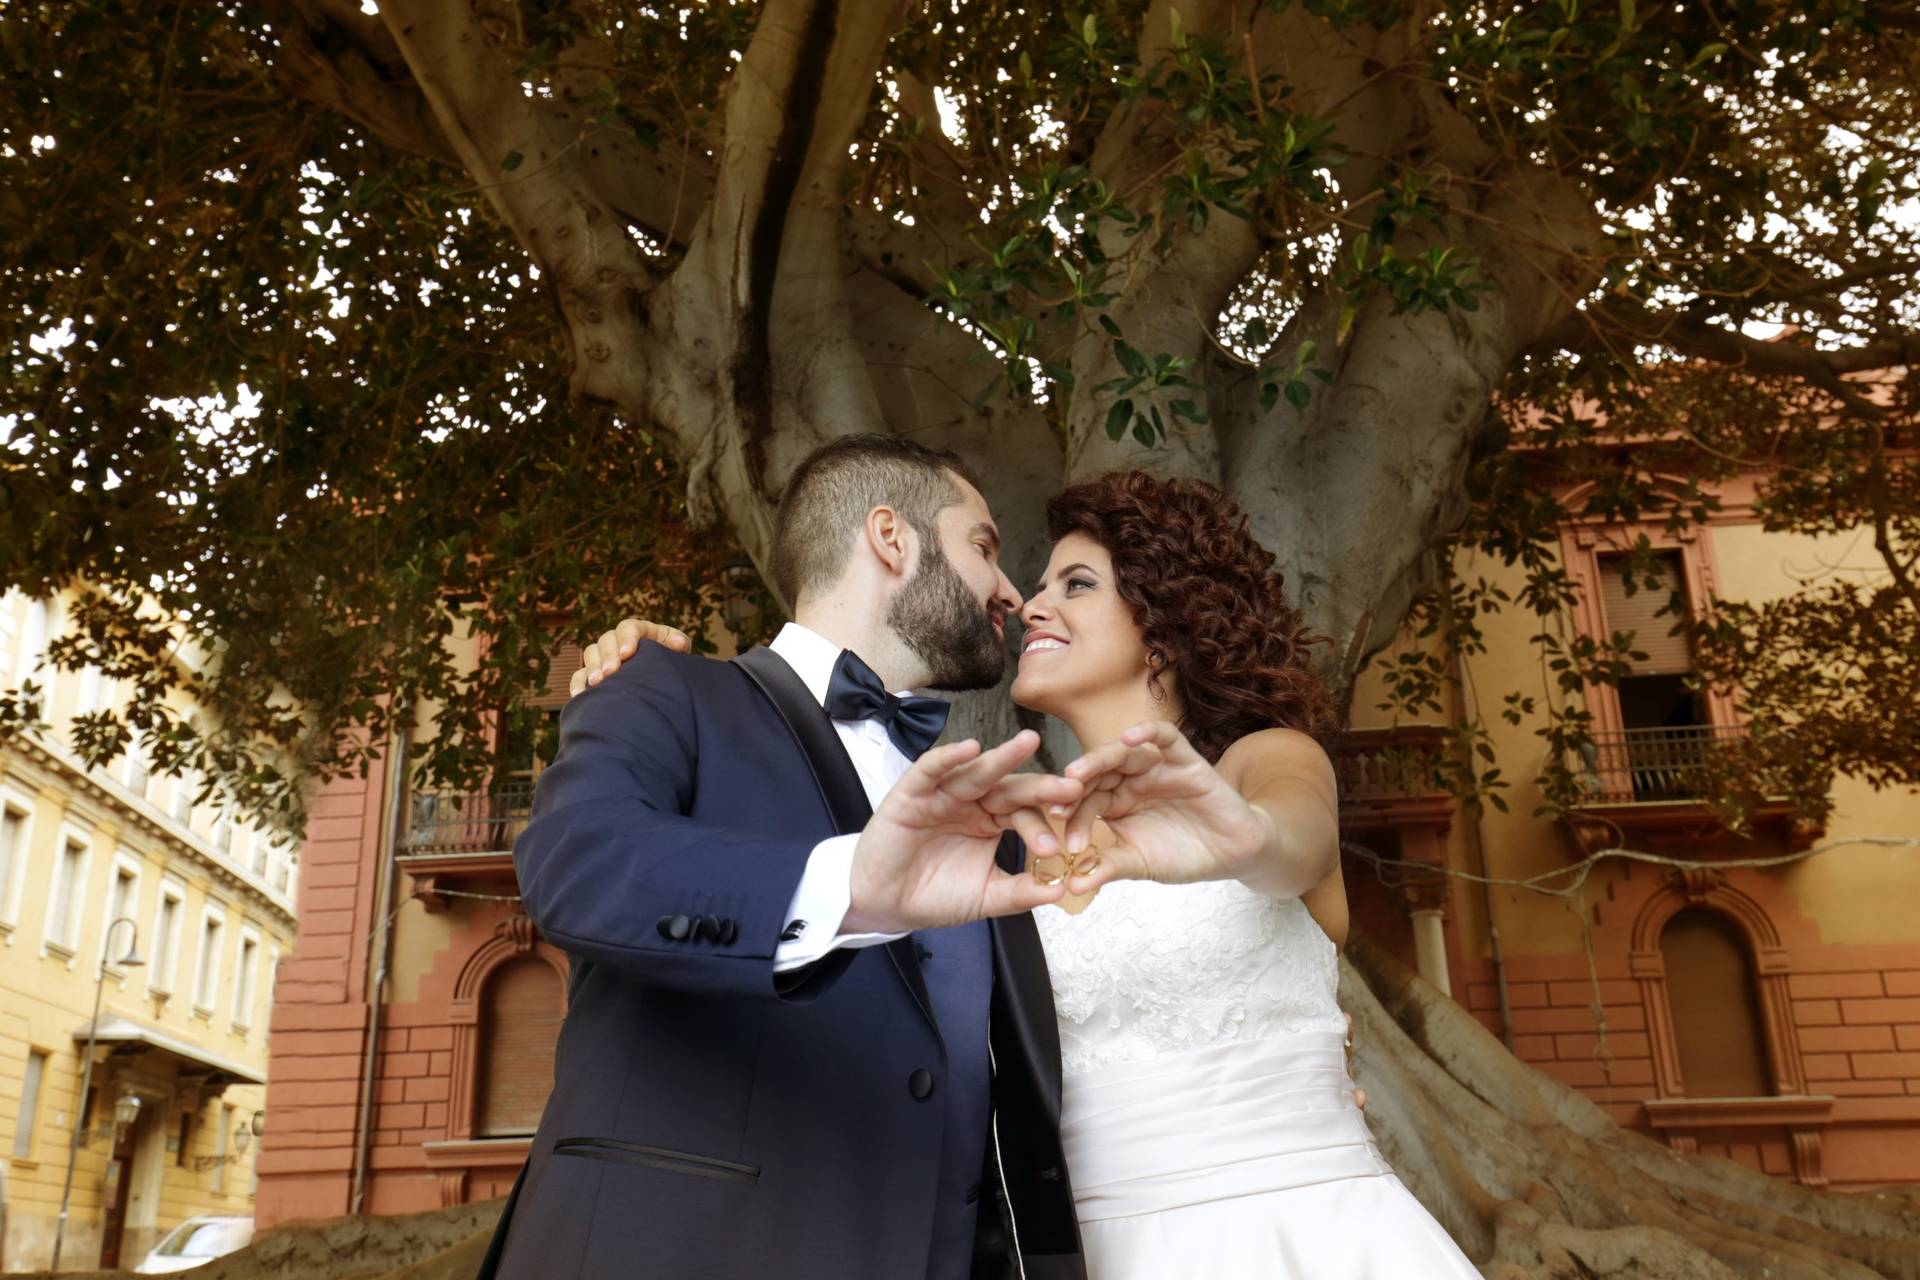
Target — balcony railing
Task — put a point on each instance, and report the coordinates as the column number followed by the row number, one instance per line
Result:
column 1647, row 765
column 468, row 822
column 1378, row 765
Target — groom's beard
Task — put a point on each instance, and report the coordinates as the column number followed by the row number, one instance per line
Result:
column 953, row 633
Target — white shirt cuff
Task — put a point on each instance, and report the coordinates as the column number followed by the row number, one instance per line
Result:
column 819, row 905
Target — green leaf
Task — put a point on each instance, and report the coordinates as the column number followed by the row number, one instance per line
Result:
column 1090, row 32
column 512, row 161
column 1190, row 411
column 1118, row 417
column 1144, row 433
column 1179, row 28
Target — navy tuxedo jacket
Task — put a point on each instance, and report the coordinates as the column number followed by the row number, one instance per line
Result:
column 708, row 1117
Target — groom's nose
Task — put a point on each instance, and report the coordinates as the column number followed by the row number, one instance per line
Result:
column 1006, row 595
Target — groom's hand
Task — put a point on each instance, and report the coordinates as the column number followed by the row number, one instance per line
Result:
column 602, row 657
column 926, row 858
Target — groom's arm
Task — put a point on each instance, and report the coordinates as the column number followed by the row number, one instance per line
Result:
column 609, row 853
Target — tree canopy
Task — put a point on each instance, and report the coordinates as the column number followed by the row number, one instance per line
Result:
column 330, row 328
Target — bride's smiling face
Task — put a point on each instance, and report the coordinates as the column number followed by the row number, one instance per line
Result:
column 1081, row 641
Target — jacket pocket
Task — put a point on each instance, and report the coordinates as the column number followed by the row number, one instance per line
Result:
column 613, row 1149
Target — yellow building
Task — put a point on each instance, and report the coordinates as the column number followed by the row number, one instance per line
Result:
column 168, row 1122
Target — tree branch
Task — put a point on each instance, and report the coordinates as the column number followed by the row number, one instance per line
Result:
column 342, row 60
column 1692, row 335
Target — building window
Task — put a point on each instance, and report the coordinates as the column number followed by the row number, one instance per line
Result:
column 223, row 834
column 123, row 896
column 1716, row 1014
column 33, row 646
column 29, row 1104
column 262, row 850
column 1650, row 602
column 13, row 855
column 138, row 770
column 206, row 980
column 185, row 787
column 166, row 940
column 520, row 1014
column 92, row 692
column 69, row 882
column 243, row 978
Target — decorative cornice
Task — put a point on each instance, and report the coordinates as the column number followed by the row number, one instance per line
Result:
column 1797, row 1111
column 141, row 816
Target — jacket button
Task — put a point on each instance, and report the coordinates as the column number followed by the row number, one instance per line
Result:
column 728, row 931
column 710, row 928
column 680, row 928
column 665, row 925
column 920, row 1084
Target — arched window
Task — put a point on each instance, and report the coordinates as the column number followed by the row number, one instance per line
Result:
column 1716, row 1016
column 520, row 1013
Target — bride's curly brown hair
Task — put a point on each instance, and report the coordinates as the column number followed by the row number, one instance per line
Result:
column 1208, row 603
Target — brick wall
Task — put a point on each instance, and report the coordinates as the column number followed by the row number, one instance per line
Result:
column 1854, row 1012
column 320, row 1014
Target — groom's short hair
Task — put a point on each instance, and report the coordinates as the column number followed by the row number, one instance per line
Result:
column 834, row 488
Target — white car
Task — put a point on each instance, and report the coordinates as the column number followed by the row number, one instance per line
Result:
column 196, row 1242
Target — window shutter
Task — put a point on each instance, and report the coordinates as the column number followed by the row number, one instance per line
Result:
column 1667, row 653
column 566, row 661
column 520, row 1031
column 1716, row 1015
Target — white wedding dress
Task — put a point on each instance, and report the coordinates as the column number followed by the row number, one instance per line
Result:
column 1207, row 1115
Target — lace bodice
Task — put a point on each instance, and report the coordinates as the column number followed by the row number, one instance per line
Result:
column 1151, row 969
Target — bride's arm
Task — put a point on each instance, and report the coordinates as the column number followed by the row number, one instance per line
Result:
column 604, row 656
column 1326, row 902
column 1287, row 780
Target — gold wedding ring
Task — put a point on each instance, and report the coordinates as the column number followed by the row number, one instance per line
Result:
column 1071, row 864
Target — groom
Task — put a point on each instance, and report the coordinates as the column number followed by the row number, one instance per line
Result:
column 794, row 1046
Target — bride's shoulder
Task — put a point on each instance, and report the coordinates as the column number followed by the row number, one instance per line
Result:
column 1269, row 754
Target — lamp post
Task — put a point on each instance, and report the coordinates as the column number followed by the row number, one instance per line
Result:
column 131, row 960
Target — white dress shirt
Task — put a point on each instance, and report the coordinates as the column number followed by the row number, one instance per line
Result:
column 825, row 892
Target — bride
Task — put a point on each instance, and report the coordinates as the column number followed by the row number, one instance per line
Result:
column 1209, row 1124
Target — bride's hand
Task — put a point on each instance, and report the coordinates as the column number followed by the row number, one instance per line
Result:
column 603, row 657
column 1174, row 818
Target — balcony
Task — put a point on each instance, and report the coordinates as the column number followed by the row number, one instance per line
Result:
column 1393, row 777
column 1652, row 788
column 1643, row 765
column 462, row 842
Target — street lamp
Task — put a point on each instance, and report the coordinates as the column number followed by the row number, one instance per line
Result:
column 131, row 960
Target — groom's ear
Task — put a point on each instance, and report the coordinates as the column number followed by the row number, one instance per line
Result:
column 889, row 539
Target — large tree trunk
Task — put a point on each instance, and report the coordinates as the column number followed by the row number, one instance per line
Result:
column 1535, row 1181
column 761, row 316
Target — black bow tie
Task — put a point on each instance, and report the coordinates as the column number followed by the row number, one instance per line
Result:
column 855, row 693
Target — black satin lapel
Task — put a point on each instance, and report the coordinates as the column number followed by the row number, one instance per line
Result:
column 833, row 774
column 1023, row 1020
column 813, row 733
